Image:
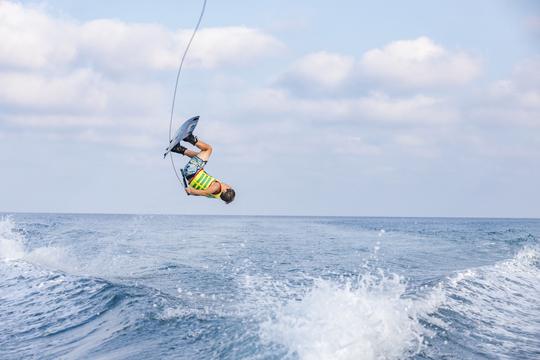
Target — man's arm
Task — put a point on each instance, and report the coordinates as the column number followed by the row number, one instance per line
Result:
column 212, row 189
column 192, row 191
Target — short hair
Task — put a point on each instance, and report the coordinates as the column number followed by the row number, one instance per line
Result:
column 228, row 195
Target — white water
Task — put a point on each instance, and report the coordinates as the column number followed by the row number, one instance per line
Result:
column 11, row 243
column 502, row 303
column 370, row 320
column 12, row 247
column 493, row 308
column 373, row 319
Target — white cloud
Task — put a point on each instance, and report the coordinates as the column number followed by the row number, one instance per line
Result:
column 410, row 64
column 63, row 75
column 526, row 74
column 60, row 73
column 515, row 100
column 94, row 121
column 416, row 109
column 76, row 90
column 419, row 63
column 81, row 91
column 425, row 143
column 137, row 140
column 32, row 39
column 118, row 46
column 533, row 23
column 410, row 140
column 321, row 69
column 356, row 146
column 232, row 45
column 375, row 107
column 112, row 45
column 56, row 121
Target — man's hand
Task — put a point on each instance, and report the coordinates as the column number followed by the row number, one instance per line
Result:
column 192, row 191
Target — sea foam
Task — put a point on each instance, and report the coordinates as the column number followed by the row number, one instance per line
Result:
column 367, row 319
column 11, row 242
column 500, row 303
column 13, row 247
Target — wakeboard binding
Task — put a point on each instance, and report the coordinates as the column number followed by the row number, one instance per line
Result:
column 192, row 139
column 179, row 149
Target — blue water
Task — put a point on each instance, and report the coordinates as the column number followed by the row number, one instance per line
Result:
column 188, row 287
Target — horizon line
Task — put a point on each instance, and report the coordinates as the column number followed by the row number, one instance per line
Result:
column 270, row 215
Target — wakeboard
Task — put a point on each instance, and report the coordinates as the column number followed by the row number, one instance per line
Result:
column 185, row 130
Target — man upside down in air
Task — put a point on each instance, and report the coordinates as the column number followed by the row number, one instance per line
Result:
column 200, row 183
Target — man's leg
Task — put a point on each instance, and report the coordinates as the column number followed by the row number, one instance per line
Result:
column 193, row 165
column 189, row 153
column 182, row 150
column 206, row 150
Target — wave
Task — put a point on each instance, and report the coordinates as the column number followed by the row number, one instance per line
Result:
column 82, row 252
column 77, row 314
column 13, row 247
column 491, row 311
column 369, row 318
column 11, row 242
column 494, row 309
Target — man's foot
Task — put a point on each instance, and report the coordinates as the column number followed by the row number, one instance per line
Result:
column 179, row 149
column 192, row 139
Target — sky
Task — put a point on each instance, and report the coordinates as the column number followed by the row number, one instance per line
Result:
column 344, row 108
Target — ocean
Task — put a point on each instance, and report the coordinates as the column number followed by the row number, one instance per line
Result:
column 227, row 287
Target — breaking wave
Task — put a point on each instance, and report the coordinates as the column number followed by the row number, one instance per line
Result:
column 368, row 320
column 491, row 310
column 494, row 309
column 238, row 310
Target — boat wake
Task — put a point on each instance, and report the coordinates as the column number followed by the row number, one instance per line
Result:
column 50, row 306
column 486, row 311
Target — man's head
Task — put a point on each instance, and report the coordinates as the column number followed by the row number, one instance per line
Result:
column 227, row 194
